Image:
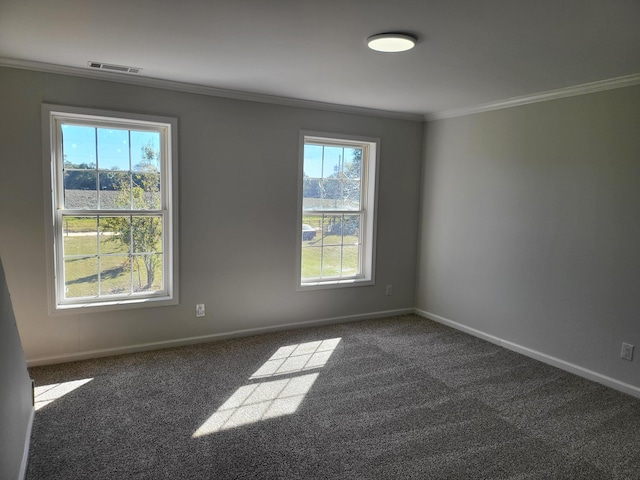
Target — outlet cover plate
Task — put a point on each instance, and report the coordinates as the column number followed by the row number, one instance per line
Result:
column 627, row 351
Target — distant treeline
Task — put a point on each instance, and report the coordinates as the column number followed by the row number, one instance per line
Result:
column 84, row 176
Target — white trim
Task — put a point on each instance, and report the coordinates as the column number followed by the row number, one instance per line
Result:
column 143, row 347
column 203, row 89
column 592, row 87
column 368, row 207
column 27, row 443
column 52, row 117
column 536, row 355
column 583, row 89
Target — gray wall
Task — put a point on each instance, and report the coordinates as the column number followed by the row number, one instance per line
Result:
column 531, row 227
column 16, row 404
column 238, row 164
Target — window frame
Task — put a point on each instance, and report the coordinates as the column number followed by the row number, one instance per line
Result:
column 369, row 207
column 53, row 117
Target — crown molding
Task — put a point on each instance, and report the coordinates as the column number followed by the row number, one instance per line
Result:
column 203, row 89
column 585, row 88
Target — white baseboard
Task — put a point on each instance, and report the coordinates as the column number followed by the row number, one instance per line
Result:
column 543, row 357
column 142, row 347
column 27, row 442
column 548, row 359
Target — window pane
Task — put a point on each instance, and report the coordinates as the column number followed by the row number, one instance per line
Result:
column 334, row 207
column 313, row 161
column 114, row 180
column 111, row 167
column 145, row 151
column 80, row 189
column 115, row 189
column 146, row 191
column 113, row 149
column 351, row 228
column 353, row 163
column 332, row 228
column 314, row 221
column 312, row 228
column 311, row 261
column 350, row 260
column 80, row 235
column 81, row 277
column 147, row 234
column 337, row 252
column 115, row 235
column 147, row 273
column 115, row 275
column 78, row 146
column 331, row 194
column 332, row 162
column 351, row 194
column 331, row 261
column 311, row 194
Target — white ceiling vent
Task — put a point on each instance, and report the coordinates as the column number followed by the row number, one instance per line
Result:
column 113, row 68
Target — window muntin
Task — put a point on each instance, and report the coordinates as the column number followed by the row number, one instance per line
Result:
column 337, row 211
column 113, row 210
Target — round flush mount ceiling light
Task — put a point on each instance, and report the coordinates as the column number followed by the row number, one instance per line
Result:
column 391, row 42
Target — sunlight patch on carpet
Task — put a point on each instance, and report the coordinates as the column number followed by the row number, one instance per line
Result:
column 264, row 400
column 261, row 401
column 46, row 394
column 297, row 358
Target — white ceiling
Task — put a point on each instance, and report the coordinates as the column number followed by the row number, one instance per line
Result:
column 470, row 52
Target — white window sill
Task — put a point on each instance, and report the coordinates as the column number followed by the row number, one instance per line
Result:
column 324, row 284
column 114, row 305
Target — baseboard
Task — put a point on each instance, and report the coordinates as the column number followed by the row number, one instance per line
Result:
column 548, row 359
column 543, row 357
column 27, row 442
column 142, row 347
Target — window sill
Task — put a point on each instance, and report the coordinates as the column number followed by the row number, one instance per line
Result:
column 321, row 285
column 114, row 305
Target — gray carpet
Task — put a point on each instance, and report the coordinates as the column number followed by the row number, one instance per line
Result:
column 395, row 398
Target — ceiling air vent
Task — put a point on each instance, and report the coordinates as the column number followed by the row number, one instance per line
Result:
column 113, row 68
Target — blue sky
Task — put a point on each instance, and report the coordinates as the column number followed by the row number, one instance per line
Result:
column 315, row 167
column 114, row 145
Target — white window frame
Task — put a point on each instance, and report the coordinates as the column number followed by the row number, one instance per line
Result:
column 369, row 204
column 53, row 116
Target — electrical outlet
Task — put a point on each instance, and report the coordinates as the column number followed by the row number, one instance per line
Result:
column 389, row 290
column 200, row 310
column 627, row 351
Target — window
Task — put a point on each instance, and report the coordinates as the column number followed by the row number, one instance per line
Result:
column 112, row 236
column 337, row 204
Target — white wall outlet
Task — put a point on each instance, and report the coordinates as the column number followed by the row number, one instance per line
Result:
column 627, row 351
column 200, row 310
column 388, row 290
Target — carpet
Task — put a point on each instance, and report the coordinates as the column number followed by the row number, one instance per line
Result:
column 393, row 398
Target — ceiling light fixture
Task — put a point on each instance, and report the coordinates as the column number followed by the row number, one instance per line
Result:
column 391, row 42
